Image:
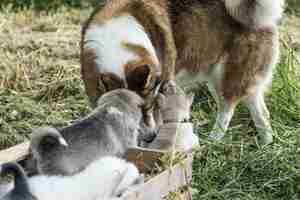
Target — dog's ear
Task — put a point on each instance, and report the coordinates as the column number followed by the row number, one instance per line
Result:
column 140, row 74
column 138, row 78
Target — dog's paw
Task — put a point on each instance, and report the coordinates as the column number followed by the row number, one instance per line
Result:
column 264, row 138
column 216, row 135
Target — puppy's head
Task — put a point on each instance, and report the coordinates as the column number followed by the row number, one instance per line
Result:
column 21, row 188
column 46, row 139
column 11, row 168
column 133, row 109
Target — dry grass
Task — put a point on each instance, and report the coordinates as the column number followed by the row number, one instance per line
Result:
column 40, row 85
column 39, row 72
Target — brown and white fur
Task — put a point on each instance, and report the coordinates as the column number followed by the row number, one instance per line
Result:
column 114, row 57
column 231, row 44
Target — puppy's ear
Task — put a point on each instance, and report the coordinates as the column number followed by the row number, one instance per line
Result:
column 190, row 98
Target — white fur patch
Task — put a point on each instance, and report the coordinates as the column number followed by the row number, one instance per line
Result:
column 267, row 12
column 114, row 111
column 63, row 142
column 232, row 3
column 5, row 188
column 99, row 180
column 106, row 39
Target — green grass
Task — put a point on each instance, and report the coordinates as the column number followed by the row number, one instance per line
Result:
column 40, row 85
column 293, row 6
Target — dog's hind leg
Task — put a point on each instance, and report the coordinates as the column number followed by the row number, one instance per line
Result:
column 260, row 115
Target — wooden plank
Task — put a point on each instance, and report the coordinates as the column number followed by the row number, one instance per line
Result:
column 144, row 159
column 159, row 186
column 15, row 153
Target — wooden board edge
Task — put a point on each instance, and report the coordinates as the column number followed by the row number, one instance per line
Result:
column 159, row 186
column 15, row 153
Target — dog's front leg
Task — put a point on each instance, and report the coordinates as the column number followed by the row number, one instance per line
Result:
column 224, row 115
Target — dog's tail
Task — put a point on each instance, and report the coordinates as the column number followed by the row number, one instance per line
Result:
column 255, row 13
column 45, row 138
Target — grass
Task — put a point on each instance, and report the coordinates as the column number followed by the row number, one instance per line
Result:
column 40, row 85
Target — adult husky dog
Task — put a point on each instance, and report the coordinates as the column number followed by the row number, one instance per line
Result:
column 231, row 44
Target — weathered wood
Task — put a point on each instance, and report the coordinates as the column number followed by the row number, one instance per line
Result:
column 15, row 153
column 159, row 186
column 144, row 159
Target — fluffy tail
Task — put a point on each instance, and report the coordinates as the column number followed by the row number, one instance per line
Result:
column 44, row 139
column 256, row 13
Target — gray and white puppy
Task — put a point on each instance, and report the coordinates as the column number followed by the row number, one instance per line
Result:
column 21, row 189
column 115, row 125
